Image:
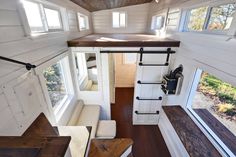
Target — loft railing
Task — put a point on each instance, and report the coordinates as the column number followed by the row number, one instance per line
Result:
column 28, row 66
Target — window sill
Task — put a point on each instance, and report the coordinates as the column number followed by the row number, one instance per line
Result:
column 45, row 35
column 63, row 107
column 81, row 30
column 210, row 36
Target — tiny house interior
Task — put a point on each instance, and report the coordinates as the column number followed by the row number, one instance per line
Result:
column 117, row 78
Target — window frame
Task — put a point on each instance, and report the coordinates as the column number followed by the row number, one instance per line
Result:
column 86, row 19
column 60, row 18
column 126, row 19
column 42, row 6
column 58, row 109
column 154, row 20
column 203, row 126
column 186, row 17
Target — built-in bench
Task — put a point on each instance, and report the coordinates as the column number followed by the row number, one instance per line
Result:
column 192, row 138
column 88, row 115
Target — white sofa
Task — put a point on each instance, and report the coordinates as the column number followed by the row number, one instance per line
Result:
column 88, row 115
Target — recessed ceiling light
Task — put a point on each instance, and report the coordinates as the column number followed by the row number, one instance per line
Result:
column 157, row 1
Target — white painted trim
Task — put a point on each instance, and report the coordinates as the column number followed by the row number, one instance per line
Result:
column 173, row 142
column 58, row 112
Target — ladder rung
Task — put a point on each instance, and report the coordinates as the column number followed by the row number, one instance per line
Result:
column 145, row 113
column 140, row 82
column 138, row 98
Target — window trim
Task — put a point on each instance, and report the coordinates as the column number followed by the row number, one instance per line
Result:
column 86, row 21
column 186, row 15
column 154, row 20
column 126, row 19
column 42, row 5
column 197, row 119
column 67, row 100
column 60, row 18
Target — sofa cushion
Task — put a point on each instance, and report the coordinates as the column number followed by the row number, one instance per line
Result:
column 89, row 116
column 76, row 113
column 106, row 129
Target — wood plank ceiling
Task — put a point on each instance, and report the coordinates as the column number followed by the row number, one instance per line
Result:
column 95, row 5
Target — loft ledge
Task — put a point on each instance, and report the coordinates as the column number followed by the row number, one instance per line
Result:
column 122, row 40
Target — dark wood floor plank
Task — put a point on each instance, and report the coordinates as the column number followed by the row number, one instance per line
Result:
column 195, row 142
column 219, row 129
column 148, row 141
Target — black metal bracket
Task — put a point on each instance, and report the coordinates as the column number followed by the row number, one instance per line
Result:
column 28, row 66
column 140, row 82
column 144, row 99
column 168, row 52
column 142, row 113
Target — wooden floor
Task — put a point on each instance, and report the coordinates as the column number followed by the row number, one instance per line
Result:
column 148, row 141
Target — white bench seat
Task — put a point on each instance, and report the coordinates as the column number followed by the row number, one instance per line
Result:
column 106, row 129
column 88, row 115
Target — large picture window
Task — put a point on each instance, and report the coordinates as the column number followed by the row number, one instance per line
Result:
column 57, row 83
column 213, row 102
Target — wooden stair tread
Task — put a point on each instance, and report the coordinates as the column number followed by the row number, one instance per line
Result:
column 40, row 127
column 39, row 140
column 107, row 148
column 193, row 139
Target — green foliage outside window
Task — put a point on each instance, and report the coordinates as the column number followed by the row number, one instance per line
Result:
column 223, row 94
column 197, row 19
column 55, row 84
column 221, row 17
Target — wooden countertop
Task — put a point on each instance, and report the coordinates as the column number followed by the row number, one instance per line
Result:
column 122, row 40
column 109, row 147
column 193, row 139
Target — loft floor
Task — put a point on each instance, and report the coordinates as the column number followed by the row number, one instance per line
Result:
column 148, row 141
column 122, row 40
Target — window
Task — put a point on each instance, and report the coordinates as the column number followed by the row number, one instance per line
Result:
column 42, row 18
column 157, row 22
column 118, row 19
column 53, row 19
column 83, row 22
column 214, row 102
column 58, row 83
column 221, row 17
column 216, row 18
column 197, row 19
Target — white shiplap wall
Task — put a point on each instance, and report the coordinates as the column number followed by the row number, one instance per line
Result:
column 211, row 52
column 136, row 20
column 14, row 44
